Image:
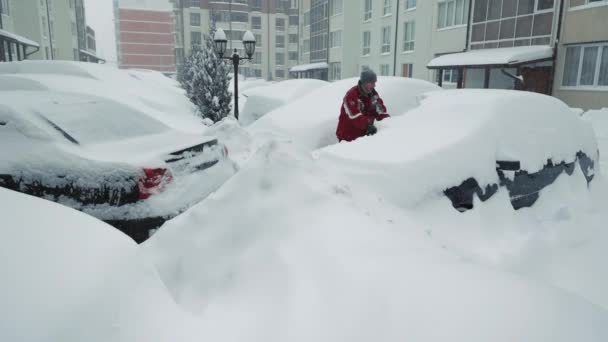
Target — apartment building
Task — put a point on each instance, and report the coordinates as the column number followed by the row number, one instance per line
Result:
column 48, row 29
column 581, row 77
column 13, row 47
column 145, row 34
column 392, row 37
column 274, row 23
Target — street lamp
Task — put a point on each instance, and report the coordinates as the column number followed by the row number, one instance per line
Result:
column 220, row 41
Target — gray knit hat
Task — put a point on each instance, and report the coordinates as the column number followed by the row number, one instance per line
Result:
column 368, row 76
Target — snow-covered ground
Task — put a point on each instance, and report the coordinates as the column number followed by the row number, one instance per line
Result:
column 295, row 248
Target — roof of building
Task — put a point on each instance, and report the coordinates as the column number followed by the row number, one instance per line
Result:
column 487, row 57
column 18, row 38
column 312, row 66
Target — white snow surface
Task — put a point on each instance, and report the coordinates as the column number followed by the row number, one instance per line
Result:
column 261, row 100
column 311, row 120
column 310, row 66
column 248, row 36
column 146, row 91
column 457, row 134
column 311, row 257
column 509, row 55
column 69, row 277
column 599, row 120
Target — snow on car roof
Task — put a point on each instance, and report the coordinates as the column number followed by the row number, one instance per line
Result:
column 151, row 92
column 85, row 118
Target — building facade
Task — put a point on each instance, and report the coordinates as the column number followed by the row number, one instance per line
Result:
column 581, row 77
column 145, row 35
column 54, row 29
column 392, row 37
column 274, row 23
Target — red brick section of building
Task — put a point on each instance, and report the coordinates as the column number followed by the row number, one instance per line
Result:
column 146, row 40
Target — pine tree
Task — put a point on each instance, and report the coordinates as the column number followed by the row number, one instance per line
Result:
column 204, row 76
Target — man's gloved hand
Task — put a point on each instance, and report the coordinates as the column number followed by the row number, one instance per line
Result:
column 371, row 129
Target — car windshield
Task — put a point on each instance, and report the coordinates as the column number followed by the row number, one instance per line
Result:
column 98, row 120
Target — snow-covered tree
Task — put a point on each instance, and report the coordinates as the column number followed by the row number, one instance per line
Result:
column 204, row 76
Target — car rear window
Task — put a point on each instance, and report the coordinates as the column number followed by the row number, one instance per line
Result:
column 100, row 120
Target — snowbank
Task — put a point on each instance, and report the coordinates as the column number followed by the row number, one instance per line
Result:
column 599, row 121
column 311, row 120
column 310, row 258
column 68, row 277
column 148, row 92
column 261, row 100
column 457, row 134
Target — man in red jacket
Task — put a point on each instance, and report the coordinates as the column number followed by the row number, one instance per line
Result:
column 360, row 108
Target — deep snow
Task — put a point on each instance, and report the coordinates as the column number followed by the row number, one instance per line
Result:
column 294, row 248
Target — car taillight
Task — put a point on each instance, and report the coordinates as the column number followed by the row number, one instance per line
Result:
column 153, row 181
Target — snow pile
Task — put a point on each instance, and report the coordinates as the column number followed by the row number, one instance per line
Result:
column 599, row 120
column 68, row 277
column 145, row 92
column 336, row 264
column 457, row 134
column 262, row 100
column 559, row 241
column 311, row 120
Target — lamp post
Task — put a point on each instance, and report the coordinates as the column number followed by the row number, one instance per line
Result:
column 219, row 38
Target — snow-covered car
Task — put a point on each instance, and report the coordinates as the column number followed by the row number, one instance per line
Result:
column 147, row 91
column 470, row 143
column 311, row 120
column 105, row 159
column 262, row 100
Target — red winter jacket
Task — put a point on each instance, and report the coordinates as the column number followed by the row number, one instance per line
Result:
column 359, row 110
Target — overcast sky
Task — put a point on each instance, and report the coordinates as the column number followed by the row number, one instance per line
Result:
column 100, row 16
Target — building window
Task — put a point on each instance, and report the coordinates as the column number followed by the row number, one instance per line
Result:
column 450, row 76
column 257, row 73
column 335, row 71
column 367, row 41
column 407, row 70
column 294, row 20
column 306, row 18
column 387, row 7
column 502, row 23
column 195, row 19
column 410, row 4
column 293, row 38
column 280, row 24
column 5, row 9
column 386, row 40
column 574, row 3
column 384, row 69
column 256, row 5
column 409, row 34
column 256, row 23
column 195, row 3
column 195, row 38
column 306, row 46
column 279, row 73
column 367, row 13
column 279, row 58
column 336, row 7
column 293, row 56
column 258, row 40
column 280, row 41
column 586, row 66
column 454, row 13
column 335, row 39
column 257, row 58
